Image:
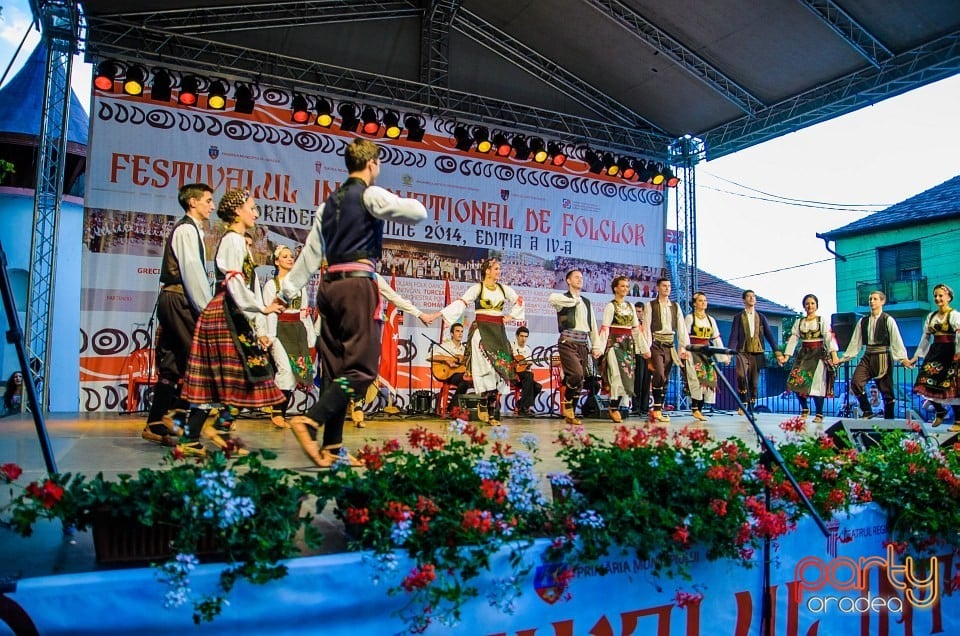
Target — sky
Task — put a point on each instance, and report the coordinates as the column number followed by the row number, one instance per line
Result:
column 747, row 233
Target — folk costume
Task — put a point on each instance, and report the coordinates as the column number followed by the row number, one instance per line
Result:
column 293, row 344
column 747, row 333
column 881, row 337
column 529, row 387
column 348, row 232
column 812, row 373
column 620, row 329
column 664, row 328
column 578, row 338
column 939, row 377
column 489, row 356
column 699, row 370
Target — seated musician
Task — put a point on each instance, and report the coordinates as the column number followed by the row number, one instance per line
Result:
column 450, row 354
column 529, row 387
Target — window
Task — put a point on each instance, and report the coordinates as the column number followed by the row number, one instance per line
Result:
column 899, row 262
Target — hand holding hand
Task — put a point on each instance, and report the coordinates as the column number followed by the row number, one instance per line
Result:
column 273, row 308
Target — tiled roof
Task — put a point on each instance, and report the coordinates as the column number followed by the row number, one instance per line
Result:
column 936, row 204
column 720, row 293
column 21, row 102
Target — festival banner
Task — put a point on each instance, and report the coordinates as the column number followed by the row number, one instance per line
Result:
column 540, row 220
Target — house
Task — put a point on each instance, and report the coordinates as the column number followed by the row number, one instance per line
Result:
column 724, row 301
column 904, row 251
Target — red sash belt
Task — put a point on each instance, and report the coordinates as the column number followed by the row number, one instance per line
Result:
column 812, row 344
column 488, row 318
column 288, row 317
column 699, row 341
column 944, row 338
column 621, row 330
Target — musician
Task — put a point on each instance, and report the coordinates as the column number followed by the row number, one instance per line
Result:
column 451, row 352
column 529, row 387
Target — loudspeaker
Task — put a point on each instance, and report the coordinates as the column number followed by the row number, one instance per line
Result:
column 468, row 402
column 843, row 326
column 864, row 434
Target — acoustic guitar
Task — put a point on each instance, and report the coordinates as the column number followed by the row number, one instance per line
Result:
column 521, row 364
column 443, row 367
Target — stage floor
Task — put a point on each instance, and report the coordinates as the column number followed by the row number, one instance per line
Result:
column 108, row 443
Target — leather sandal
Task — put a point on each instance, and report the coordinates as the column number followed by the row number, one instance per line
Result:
column 818, row 418
column 570, row 417
column 331, row 456
column 659, row 417
column 356, row 414
column 699, row 416
column 279, row 421
column 192, row 449
column 300, row 425
column 158, row 433
column 615, row 416
column 173, row 421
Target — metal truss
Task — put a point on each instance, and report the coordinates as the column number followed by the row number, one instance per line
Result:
column 685, row 153
column 547, row 71
column 435, row 45
column 59, row 21
column 859, row 39
column 933, row 61
column 241, row 17
column 117, row 38
column 633, row 22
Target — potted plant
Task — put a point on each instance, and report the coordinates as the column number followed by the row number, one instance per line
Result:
column 240, row 511
column 448, row 501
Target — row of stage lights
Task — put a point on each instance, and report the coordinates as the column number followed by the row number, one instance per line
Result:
column 372, row 121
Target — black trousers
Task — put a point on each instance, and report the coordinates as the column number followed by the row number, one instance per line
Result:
column 641, row 387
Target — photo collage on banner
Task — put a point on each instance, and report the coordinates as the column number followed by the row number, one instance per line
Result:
column 540, row 221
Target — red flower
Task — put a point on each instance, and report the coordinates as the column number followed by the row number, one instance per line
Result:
column 397, row 511
column 681, row 535
column 683, row 599
column 719, row 506
column 357, row 516
column 10, row 472
column 494, row 490
column 480, row 520
column 419, row 577
column 48, row 495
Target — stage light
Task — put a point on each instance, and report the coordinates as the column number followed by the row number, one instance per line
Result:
column 243, row 99
column 348, row 116
column 670, row 179
column 106, row 73
column 646, row 171
column 217, row 95
column 324, row 113
column 463, row 139
column 502, row 145
column 416, row 127
column 539, row 149
column 658, row 178
column 610, row 164
column 627, row 167
column 300, row 108
column 391, row 124
column 160, row 90
column 521, row 147
column 482, row 136
column 189, row 88
column 371, row 121
column 594, row 161
column 133, row 82
column 558, row 157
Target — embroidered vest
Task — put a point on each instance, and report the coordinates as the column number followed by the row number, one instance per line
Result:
column 567, row 317
column 483, row 303
column 880, row 334
column 169, row 267
column 656, row 322
column 350, row 232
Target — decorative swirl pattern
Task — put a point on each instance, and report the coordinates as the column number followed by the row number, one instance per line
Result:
column 110, row 342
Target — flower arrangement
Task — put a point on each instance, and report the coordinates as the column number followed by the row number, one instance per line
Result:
column 449, row 501
column 249, row 512
column 659, row 495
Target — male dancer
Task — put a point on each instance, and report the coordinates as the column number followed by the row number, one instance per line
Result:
column 578, row 335
column 529, row 387
column 663, row 327
column 184, row 292
column 348, row 232
column 641, row 378
column 881, row 336
column 747, row 333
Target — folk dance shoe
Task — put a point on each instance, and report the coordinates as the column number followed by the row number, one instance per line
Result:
column 570, row 416
column 955, row 428
column 699, row 416
column 615, row 416
column 482, row 413
column 818, row 418
column 660, row 418
column 160, row 433
column 331, row 455
column 356, row 413
column 300, row 425
column 804, row 414
column 212, row 428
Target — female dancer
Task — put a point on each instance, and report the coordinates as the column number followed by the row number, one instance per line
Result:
column 228, row 361
column 293, row 337
column 938, row 377
column 489, row 355
column 699, row 368
column 813, row 368
column 621, row 331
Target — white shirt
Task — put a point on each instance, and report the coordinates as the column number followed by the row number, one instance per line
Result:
column 187, row 245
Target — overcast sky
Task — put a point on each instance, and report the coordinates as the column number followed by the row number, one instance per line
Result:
column 861, row 162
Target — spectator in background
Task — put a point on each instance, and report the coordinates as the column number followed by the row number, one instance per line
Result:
column 13, row 395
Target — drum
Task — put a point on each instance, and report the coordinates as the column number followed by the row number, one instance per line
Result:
column 421, row 402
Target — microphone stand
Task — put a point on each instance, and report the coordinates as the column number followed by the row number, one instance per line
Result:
column 768, row 457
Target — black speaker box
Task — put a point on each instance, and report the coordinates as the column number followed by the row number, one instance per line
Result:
column 468, row 402
column 865, row 434
column 843, row 326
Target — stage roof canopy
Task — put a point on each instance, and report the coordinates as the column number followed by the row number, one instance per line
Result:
column 629, row 75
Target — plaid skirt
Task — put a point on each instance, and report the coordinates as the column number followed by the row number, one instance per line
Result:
column 226, row 366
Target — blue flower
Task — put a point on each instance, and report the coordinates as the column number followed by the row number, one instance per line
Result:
column 529, row 440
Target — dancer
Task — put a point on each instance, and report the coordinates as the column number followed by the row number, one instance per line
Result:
column 641, row 378
column 184, row 293
column 938, row 377
column 293, row 337
column 348, row 232
column 699, row 369
column 229, row 363
column 880, row 334
column 529, row 387
column 578, row 339
column 813, row 368
column 621, row 331
column 664, row 326
column 489, row 357
column 747, row 333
